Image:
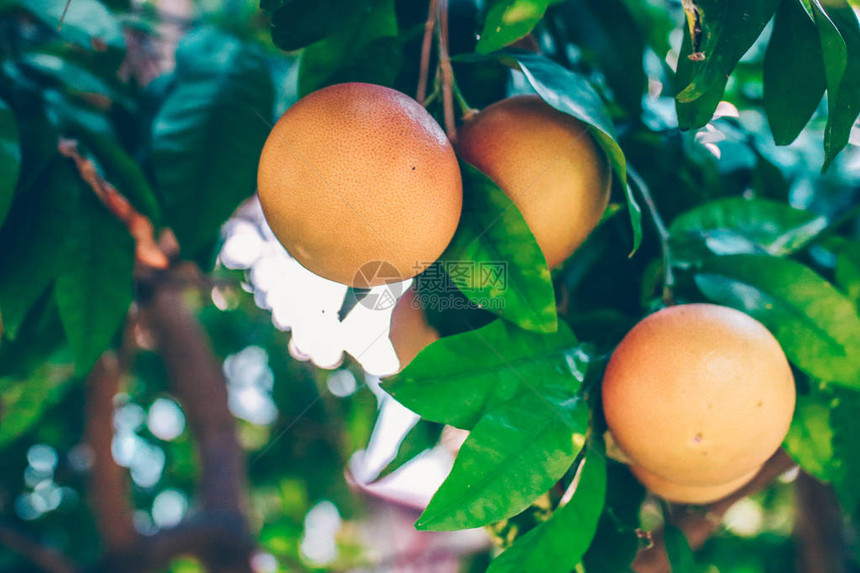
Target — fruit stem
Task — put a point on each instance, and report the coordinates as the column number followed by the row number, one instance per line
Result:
column 429, row 26
column 447, row 72
column 662, row 233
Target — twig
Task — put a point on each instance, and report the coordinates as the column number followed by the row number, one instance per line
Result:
column 447, row 72
column 45, row 558
column 63, row 16
column 109, row 490
column 662, row 233
column 147, row 251
column 429, row 26
column 699, row 524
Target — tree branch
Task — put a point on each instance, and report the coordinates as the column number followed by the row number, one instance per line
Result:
column 45, row 558
column 699, row 524
column 109, row 491
column 818, row 528
column 447, row 73
column 147, row 251
column 199, row 383
column 426, row 45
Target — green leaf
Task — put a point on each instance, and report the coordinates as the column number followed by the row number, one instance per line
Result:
column 516, row 452
column 421, row 437
column 571, row 94
column 839, row 32
column 794, row 79
column 37, row 226
column 24, row 401
column 845, row 424
column 735, row 226
column 299, row 23
column 73, row 79
column 509, row 20
column 493, row 234
column 681, row 556
column 616, row 542
column 729, row 28
column 457, row 378
column 558, row 544
column 10, row 158
column 809, row 437
column 95, row 289
column 87, row 22
column 368, row 50
column 609, row 35
column 816, row 325
column 207, row 138
column 848, row 271
column 696, row 113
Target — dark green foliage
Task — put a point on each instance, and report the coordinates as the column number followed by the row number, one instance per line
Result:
column 751, row 225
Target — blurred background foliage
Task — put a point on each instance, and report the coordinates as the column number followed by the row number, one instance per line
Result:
column 172, row 102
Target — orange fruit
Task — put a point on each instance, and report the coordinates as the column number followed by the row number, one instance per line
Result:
column 698, row 394
column 410, row 332
column 547, row 163
column 356, row 173
column 690, row 494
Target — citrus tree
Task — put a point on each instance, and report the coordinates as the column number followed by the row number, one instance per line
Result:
column 615, row 246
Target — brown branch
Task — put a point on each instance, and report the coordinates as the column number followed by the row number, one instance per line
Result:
column 699, row 524
column 426, row 45
column 147, row 251
column 214, row 537
column 199, row 383
column 821, row 544
column 109, row 489
column 45, row 558
column 447, row 72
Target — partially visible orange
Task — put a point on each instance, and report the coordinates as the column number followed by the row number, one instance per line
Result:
column 547, row 163
column 356, row 173
column 690, row 494
column 410, row 332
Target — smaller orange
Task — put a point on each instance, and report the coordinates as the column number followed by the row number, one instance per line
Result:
column 410, row 332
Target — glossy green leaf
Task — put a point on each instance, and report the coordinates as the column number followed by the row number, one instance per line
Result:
column 457, row 378
column 809, row 437
column 610, row 36
column 735, row 226
column 845, row 424
column 299, row 23
column 839, row 32
column 24, row 401
column 616, row 542
column 698, row 112
column 87, row 22
column 794, row 80
column 420, row 438
column 94, row 292
column 509, row 276
column 37, row 226
column 848, row 271
column 558, row 544
column 681, row 556
column 516, row 452
column 572, row 94
column 509, row 20
column 207, row 137
column 367, row 50
column 729, row 28
column 10, row 158
column 75, row 80
column 816, row 325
